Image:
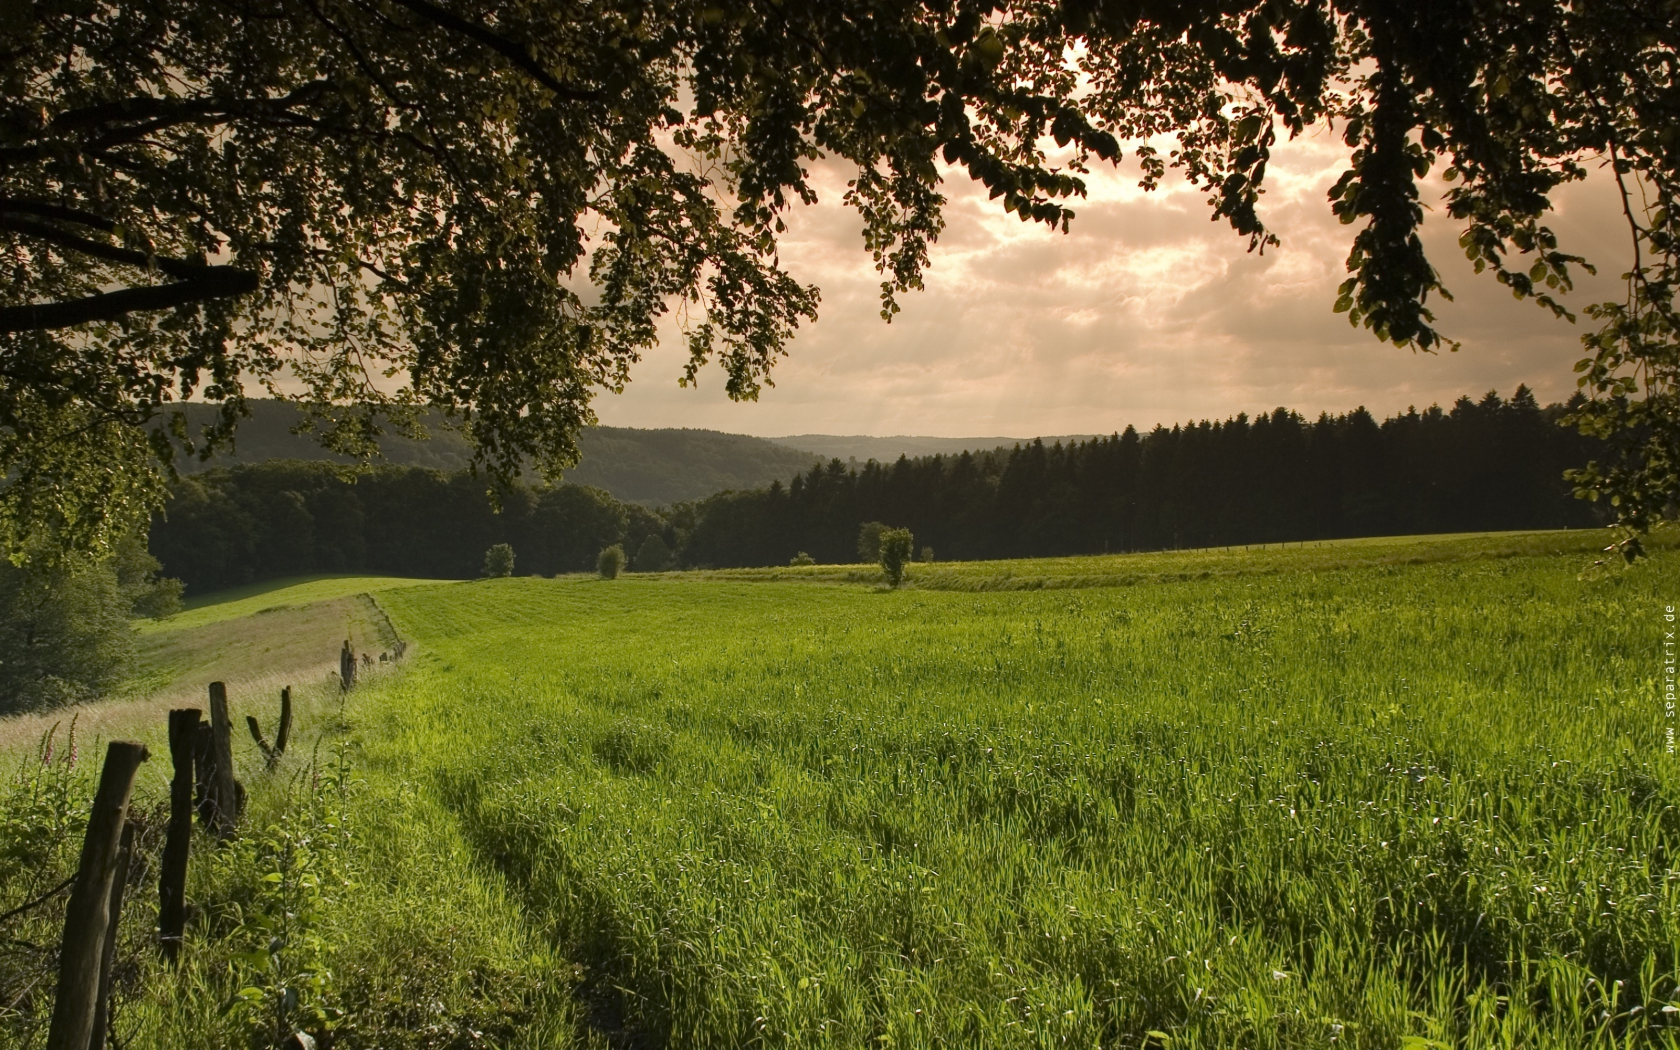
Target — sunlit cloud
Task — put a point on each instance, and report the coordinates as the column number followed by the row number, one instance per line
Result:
column 1145, row 313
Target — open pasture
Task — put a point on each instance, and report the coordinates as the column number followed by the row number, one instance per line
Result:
column 1394, row 805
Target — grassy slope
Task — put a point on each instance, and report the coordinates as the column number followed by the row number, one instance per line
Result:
column 257, row 639
column 269, row 595
column 1120, row 570
column 1287, row 805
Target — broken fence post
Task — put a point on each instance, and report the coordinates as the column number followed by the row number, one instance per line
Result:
column 224, row 791
column 346, row 666
column 88, row 915
column 172, row 876
column 272, row 754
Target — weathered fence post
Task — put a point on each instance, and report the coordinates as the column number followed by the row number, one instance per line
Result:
column 177, row 846
column 346, row 667
column 204, row 761
column 89, row 912
column 272, row 755
column 107, row 958
column 224, row 793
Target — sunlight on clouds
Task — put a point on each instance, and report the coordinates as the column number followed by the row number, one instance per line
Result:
column 1145, row 313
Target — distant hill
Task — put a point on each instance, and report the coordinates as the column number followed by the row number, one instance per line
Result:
column 863, row 448
column 651, row 467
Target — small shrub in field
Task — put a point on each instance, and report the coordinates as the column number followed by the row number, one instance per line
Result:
column 611, row 562
column 896, row 545
column 498, row 561
column 927, row 555
column 869, row 541
column 802, row 559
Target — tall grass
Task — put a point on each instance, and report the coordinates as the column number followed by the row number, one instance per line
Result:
column 1387, row 806
column 1412, row 796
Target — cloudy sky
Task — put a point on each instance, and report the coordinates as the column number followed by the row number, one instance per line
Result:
column 1145, row 313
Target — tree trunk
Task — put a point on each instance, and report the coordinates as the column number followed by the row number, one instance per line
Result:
column 89, row 913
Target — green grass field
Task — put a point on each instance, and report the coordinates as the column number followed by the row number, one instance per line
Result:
column 1410, row 795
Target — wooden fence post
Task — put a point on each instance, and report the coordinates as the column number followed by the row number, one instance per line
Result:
column 172, row 876
column 204, row 761
column 272, row 755
column 346, row 667
column 89, row 912
column 107, row 958
column 224, row 793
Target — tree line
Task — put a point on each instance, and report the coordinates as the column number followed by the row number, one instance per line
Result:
column 259, row 521
column 1481, row 465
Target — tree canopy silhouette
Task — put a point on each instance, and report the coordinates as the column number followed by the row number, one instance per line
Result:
column 489, row 206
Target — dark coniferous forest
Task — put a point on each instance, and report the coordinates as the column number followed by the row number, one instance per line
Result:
column 1480, row 465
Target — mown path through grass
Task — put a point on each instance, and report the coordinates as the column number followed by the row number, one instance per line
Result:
column 1396, row 805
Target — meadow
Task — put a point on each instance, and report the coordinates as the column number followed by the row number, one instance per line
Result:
column 1399, row 799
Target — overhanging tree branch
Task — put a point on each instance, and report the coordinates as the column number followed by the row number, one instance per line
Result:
column 213, row 282
column 48, row 210
column 514, row 52
column 178, row 268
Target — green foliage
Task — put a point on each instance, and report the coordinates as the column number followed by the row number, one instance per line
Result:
column 1284, row 806
column 869, row 541
column 288, row 874
column 65, row 634
column 927, row 555
column 43, row 817
column 498, row 561
column 896, row 545
column 802, row 559
column 144, row 589
column 653, row 555
column 610, row 562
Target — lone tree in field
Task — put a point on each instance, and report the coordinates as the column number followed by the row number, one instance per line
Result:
column 869, row 541
column 896, row 545
column 498, row 561
column 611, row 562
column 489, row 206
column 653, row 555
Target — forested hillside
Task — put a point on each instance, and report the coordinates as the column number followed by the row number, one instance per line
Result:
column 287, row 517
column 650, row 467
column 864, row 447
column 1492, row 464
column 1487, row 465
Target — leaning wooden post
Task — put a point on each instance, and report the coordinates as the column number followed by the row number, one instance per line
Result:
column 284, row 731
column 346, row 667
column 119, row 883
column 172, row 876
column 89, row 912
column 224, row 794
